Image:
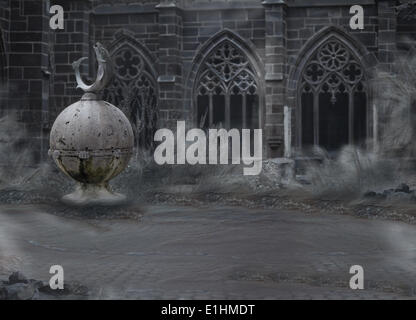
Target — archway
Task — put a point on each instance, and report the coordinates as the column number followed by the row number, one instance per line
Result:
column 225, row 84
column 333, row 98
column 330, row 90
column 226, row 90
column 134, row 87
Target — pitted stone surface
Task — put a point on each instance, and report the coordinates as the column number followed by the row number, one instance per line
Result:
column 91, row 125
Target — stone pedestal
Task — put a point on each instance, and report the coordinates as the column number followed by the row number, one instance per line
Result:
column 91, row 140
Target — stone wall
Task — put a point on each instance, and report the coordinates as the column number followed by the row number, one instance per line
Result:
column 28, row 62
column 4, row 40
column 67, row 46
column 175, row 36
column 277, row 32
column 203, row 28
column 308, row 24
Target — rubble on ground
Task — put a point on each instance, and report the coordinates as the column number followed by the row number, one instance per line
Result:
column 402, row 193
column 276, row 187
column 19, row 287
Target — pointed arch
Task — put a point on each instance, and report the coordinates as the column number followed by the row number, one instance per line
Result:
column 367, row 59
column 124, row 38
column 224, row 63
column 333, row 68
column 134, row 88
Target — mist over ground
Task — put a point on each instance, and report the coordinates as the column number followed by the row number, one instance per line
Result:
column 355, row 174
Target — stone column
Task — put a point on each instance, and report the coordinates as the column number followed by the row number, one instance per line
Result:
column 275, row 18
column 170, row 63
column 288, row 131
column 28, row 63
column 386, row 33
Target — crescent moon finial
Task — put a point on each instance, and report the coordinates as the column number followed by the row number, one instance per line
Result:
column 104, row 74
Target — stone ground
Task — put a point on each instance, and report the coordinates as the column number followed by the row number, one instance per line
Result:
column 174, row 252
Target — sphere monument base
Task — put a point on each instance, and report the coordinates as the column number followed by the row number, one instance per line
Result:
column 93, row 194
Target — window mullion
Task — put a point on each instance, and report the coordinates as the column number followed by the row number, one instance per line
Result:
column 351, row 116
column 316, row 118
column 227, row 110
column 244, row 110
column 211, row 110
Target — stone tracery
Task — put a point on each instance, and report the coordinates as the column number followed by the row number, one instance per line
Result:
column 134, row 91
column 226, row 73
column 333, row 74
column 331, row 66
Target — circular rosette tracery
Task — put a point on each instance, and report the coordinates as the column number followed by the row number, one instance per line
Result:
column 128, row 65
column 314, row 73
column 226, row 61
column 333, row 56
column 352, row 73
column 332, row 68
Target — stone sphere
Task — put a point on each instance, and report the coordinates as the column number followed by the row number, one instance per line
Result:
column 91, row 141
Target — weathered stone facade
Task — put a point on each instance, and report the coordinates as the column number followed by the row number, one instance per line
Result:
column 162, row 48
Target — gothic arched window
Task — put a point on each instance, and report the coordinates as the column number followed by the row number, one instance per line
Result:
column 133, row 90
column 333, row 98
column 226, row 91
